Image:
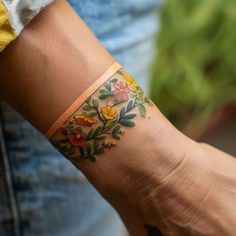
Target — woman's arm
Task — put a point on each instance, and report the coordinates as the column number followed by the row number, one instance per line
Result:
column 151, row 170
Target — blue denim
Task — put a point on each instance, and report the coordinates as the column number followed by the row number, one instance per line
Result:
column 42, row 193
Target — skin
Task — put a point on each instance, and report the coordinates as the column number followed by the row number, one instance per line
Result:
column 156, row 176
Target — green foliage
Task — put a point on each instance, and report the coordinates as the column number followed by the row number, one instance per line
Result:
column 195, row 71
column 126, row 122
column 116, row 132
column 142, row 110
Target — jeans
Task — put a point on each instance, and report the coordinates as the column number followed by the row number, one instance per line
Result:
column 42, row 193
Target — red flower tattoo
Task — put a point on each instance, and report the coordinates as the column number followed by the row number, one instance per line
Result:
column 78, row 138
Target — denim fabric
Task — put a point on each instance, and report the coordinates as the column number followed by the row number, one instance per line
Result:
column 42, row 193
column 126, row 28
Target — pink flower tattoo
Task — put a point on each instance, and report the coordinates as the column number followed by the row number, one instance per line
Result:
column 121, row 91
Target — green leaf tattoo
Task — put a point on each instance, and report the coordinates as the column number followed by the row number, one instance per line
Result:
column 142, row 110
column 101, row 120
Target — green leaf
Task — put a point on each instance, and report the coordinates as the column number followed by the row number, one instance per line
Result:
column 114, row 80
column 119, row 102
column 95, row 103
column 116, row 129
column 104, row 96
column 109, row 124
column 142, row 110
column 79, row 128
column 100, row 151
column 108, row 86
column 120, row 73
column 88, row 148
column 103, row 91
column 127, row 123
column 122, row 112
column 115, row 136
column 92, row 114
column 100, row 137
column 85, row 153
column 95, row 146
column 129, row 106
column 129, row 116
column 97, row 131
column 88, row 99
column 90, row 134
column 87, row 107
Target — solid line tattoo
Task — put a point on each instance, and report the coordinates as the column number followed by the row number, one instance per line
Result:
column 102, row 119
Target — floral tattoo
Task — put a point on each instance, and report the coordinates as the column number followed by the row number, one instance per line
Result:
column 101, row 120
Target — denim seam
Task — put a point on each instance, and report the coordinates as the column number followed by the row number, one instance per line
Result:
column 9, row 182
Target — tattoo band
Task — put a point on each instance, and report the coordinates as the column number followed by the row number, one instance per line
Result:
column 96, row 121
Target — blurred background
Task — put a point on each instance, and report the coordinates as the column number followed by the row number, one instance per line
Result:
column 194, row 73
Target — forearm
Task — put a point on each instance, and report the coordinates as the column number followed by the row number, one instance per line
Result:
column 54, row 60
column 56, row 57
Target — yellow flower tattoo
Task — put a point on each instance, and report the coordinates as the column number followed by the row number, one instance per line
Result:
column 109, row 113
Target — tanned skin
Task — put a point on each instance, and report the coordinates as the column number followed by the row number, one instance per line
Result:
column 158, row 180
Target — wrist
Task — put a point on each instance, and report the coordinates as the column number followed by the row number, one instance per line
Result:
column 142, row 160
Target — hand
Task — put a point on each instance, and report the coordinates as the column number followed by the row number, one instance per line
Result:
column 162, row 178
column 198, row 197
